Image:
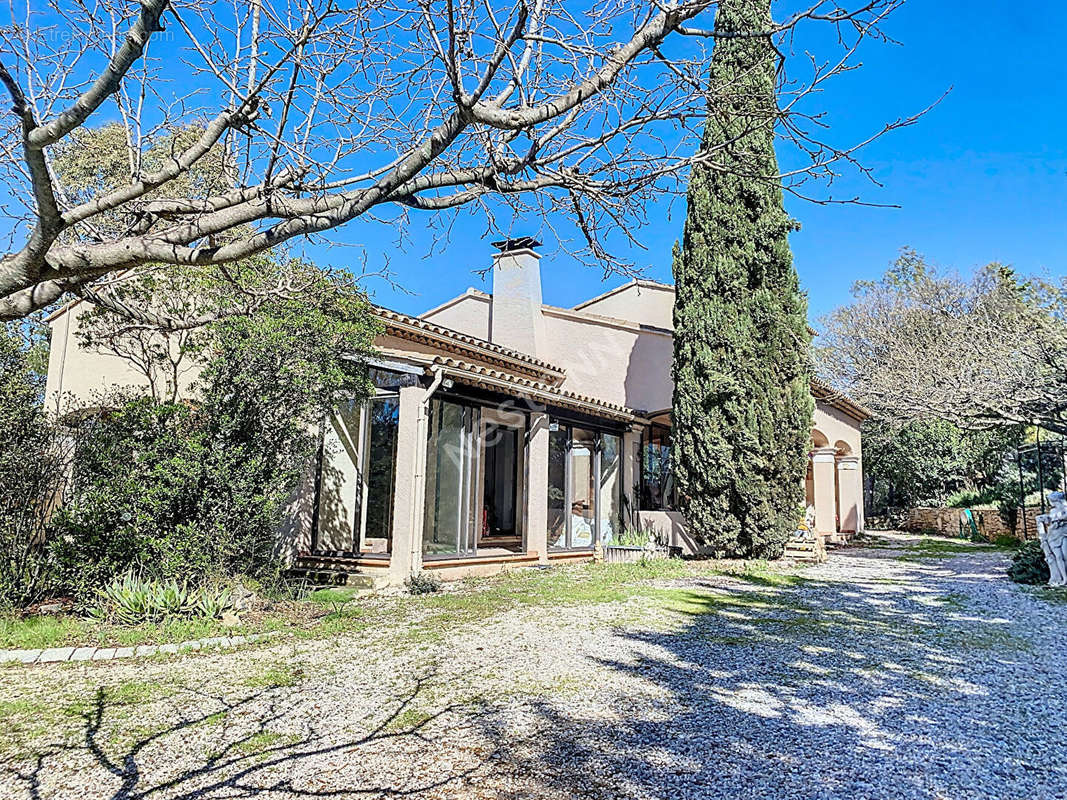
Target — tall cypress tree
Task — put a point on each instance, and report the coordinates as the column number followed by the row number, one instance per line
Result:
column 743, row 409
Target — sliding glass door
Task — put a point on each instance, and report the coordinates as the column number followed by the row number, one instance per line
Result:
column 384, row 422
column 584, row 487
column 357, row 478
column 451, row 469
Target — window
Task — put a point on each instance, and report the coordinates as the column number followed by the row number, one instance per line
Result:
column 610, row 487
column 384, row 414
column 557, row 487
column 474, row 468
column 450, row 470
column 657, row 484
column 357, row 477
column 584, row 486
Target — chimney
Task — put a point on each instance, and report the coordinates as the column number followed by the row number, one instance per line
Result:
column 515, row 318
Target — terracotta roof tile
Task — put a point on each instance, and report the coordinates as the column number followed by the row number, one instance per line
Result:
column 404, row 325
column 466, row 369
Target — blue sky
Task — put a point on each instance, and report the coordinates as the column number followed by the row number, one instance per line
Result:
column 982, row 177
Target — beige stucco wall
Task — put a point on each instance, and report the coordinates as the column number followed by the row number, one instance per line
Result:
column 642, row 302
column 468, row 313
column 611, row 360
column 78, row 375
column 838, row 428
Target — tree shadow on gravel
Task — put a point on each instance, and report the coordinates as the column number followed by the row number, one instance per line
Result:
column 868, row 688
column 252, row 756
column 896, row 681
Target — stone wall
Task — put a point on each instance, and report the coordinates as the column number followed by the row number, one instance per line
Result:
column 952, row 522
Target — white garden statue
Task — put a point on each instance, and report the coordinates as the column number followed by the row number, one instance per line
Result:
column 1052, row 531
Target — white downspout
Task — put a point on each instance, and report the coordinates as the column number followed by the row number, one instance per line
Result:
column 420, row 465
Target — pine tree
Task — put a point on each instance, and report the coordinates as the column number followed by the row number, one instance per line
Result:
column 743, row 409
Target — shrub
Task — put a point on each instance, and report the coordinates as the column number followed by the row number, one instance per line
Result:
column 422, row 583
column 634, row 537
column 1029, row 565
column 201, row 491
column 132, row 599
column 31, row 467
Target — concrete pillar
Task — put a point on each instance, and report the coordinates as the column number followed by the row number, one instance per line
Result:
column 850, row 493
column 406, row 555
column 824, row 478
column 537, row 487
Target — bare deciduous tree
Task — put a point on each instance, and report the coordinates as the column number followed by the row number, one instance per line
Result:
column 981, row 352
column 320, row 113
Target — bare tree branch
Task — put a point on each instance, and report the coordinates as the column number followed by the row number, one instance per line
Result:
column 305, row 115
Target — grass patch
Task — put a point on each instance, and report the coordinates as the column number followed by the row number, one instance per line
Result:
column 408, row 720
column 260, row 743
column 1053, row 595
column 426, row 619
column 931, row 548
column 953, row 600
column 761, row 574
column 278, row 675
column 40, row 632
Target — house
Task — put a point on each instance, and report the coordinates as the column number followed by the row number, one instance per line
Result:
column 505, row 432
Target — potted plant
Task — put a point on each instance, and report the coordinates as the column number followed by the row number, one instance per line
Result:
column 635, row 544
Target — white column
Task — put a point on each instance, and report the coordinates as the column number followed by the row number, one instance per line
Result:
column 850, row 492
column 406, row 554
column 537, row 487
column 823, row 476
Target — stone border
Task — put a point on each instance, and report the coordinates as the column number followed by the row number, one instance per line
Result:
column 56, row 655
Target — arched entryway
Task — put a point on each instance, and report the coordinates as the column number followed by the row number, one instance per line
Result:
column 834, row 487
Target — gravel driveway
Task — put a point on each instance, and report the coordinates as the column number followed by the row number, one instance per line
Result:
column 897, row 670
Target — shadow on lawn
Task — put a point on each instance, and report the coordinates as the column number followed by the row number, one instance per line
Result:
column 257, row 761
column 811, row 689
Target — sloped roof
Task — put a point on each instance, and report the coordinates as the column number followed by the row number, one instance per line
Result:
column 485, row 377
column 840, row 401
column 405, row 326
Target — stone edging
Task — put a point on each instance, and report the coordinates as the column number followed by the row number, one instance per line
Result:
column 55, row 655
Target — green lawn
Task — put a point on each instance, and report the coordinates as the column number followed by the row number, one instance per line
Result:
column 329, row 611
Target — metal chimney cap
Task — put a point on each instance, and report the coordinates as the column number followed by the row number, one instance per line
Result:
column 520, row 243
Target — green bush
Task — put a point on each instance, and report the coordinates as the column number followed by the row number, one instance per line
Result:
column 422, row 583
column 200, row 491
column 1029, row 565
column 135, row 476
column 31, row 467
column 132, row 599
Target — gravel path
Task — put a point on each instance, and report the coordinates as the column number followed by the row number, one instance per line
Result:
column 892, row 671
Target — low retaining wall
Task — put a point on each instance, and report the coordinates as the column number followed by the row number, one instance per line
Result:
column 953, row 522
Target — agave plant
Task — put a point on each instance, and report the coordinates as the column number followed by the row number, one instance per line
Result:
column 126, row 600
column 131, row 599
column 211, row 603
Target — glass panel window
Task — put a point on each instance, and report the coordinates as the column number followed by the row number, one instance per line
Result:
column 610, row 492
column 557, row 487
column 583, row 487
column 500, row 482
column 449, row 477
column 384, row 421
column 656, row 484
